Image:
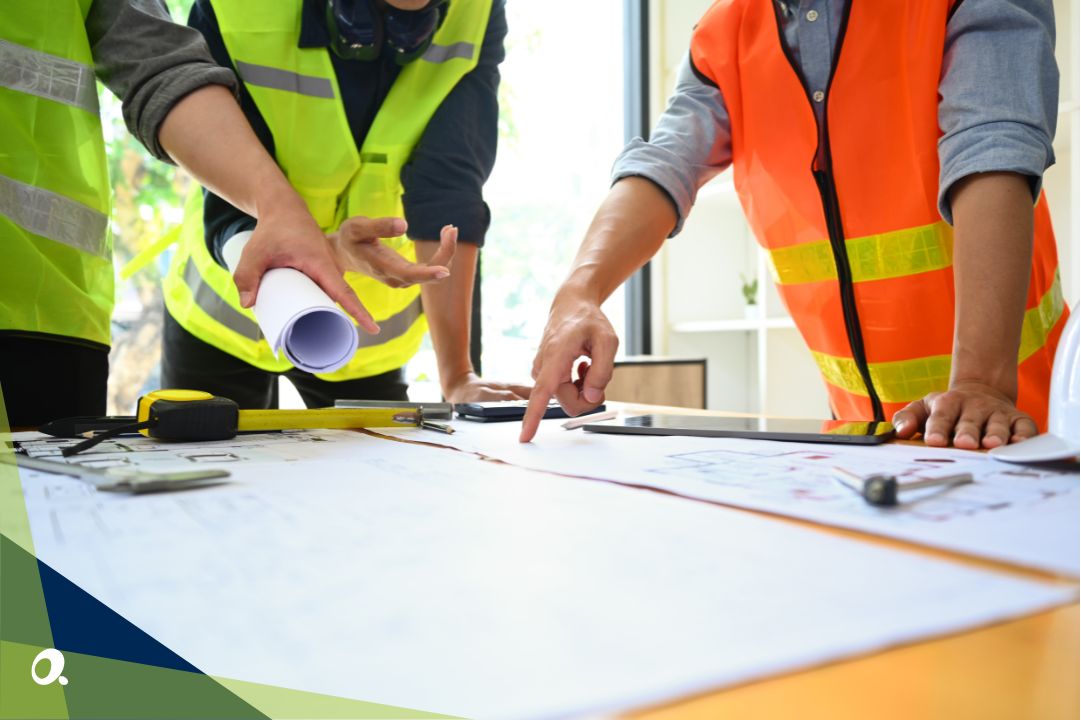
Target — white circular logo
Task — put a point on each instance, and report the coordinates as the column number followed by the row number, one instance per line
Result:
column 56, row 666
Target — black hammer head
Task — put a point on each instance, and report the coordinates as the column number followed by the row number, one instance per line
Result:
column 880, row 490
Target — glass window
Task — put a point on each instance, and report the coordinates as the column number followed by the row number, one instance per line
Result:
column 561, row 127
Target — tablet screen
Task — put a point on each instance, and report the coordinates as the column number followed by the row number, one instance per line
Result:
column 839, row 431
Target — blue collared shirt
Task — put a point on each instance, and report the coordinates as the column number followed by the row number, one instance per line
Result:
column 997, row 109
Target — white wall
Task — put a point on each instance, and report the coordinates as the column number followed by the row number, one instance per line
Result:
column 1063, row 181
column 696, row 275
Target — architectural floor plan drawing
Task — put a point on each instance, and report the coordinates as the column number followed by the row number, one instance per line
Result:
column 808, row 476
column 1024, row 515
column 425, row 577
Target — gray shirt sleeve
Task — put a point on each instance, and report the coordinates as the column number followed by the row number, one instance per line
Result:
column 691, row 143
column 149, row 62
column 999, row 92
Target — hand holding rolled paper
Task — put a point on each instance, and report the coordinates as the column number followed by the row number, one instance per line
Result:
column 297, row 317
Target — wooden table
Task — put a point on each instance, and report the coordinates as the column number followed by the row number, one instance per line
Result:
column 1027, row 668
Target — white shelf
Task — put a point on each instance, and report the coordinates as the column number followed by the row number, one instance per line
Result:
column 734, row 325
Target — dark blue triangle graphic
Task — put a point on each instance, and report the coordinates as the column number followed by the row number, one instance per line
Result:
column 83, row 624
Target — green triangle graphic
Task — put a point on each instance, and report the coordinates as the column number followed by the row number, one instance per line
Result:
column 118, row 690
column 285, row 704
column 22, row 602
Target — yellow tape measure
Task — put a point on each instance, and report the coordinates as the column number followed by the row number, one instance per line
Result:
column 197, row 415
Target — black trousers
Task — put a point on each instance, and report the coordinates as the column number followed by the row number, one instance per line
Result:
column 189, row 363
column 45, row 377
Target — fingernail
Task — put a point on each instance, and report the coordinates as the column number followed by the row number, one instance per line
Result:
column 592, row 395
column 440, row 274
column 936, row 438
column 245, row 299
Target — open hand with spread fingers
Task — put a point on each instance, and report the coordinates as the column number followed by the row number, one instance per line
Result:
column 358, row 248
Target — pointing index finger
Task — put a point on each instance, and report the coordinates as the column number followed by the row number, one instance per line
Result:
column 538, row 403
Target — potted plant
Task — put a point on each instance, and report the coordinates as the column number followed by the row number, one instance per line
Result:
column 750, row 296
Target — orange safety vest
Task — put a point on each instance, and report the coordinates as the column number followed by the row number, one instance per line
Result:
column 861, row 257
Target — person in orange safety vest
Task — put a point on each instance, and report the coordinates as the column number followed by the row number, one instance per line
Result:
column 888, row 158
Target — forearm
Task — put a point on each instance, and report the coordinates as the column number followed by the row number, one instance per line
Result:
column 993, row 228
column 207, row 134
column 448, row 306
column 629, row 228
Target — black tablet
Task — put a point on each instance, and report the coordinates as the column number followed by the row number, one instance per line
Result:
column 508, row 410
column 824, row 431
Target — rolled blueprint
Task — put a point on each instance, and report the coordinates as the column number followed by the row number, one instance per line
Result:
column 297, row 317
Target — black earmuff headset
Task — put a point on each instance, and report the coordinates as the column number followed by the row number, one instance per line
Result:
column 359, row 29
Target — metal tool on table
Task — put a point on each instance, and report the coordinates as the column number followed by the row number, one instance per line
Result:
column 121, row 478
column 427, row 412
column 883, row 489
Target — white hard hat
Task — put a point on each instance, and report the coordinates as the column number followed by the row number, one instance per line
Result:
column 1062, row 441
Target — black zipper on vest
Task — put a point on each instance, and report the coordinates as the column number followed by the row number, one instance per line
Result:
column 831, row 207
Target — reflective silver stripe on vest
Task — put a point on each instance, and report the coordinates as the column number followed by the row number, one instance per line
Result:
column 211, row 303
column 55, row 217
column 277, row 79
column 48, row 76
column 442, row 53
column 394, row 326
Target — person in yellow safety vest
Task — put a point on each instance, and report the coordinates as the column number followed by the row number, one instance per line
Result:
column 56, row 284
column 374, row 110
column 888, row 158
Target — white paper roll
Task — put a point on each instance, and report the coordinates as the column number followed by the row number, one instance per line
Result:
column 297, row 317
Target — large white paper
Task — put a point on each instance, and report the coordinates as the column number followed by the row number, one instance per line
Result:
column 1028, row 516
column 297, row 317
column 345, row 564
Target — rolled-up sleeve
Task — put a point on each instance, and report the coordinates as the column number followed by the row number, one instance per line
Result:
column 691, row 143
column 149, row 62
column 999, row 92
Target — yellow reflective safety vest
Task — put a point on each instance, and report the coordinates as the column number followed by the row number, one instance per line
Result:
column 57, row 274
column 297, row 94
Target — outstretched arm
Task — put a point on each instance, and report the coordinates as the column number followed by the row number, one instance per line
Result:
column 628, row 229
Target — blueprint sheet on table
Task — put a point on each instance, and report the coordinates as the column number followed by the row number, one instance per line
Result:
column 355, row 566
column 1024, row 515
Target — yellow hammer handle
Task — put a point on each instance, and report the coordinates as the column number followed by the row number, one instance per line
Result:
column 324, row 418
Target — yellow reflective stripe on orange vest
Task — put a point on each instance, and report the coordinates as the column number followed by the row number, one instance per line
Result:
column 1041, row 319
column 873, row 257
column 908, row 380
column 901, row 381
